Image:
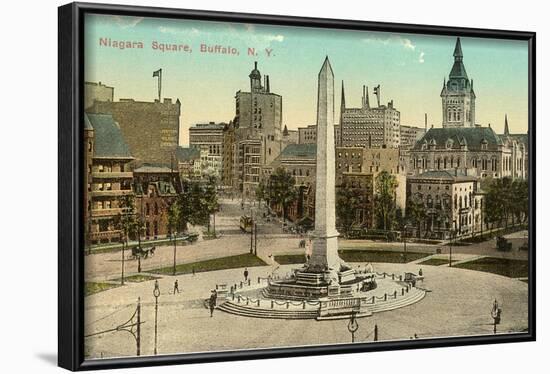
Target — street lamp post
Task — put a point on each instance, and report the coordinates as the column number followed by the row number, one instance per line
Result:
column 122, row 269
column 404, row 234
column 175, row 242
column 495, row 314
column 156, row 294
column 353, row 326
column 452, row 234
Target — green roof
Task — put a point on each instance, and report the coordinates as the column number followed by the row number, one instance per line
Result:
column 471, row 136
column 187, row 154
column 108, row 138
column 299, row 151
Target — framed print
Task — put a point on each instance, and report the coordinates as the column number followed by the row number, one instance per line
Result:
column 242, row 186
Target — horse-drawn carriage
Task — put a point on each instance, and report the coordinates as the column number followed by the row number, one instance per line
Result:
column 138, row 252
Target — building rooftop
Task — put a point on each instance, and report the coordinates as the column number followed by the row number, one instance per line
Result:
column 108, row 138
column 209, row 126
column 472, row 137
column 457, row 175
column 147, row 168
column 187, row 153
column 308, row 151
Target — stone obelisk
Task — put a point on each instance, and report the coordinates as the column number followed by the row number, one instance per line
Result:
column 324, row 256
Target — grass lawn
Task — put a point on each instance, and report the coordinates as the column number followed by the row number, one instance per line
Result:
column 290, row 259
column 137, row 278
column 352, row 255
column 435, row 262
column 231, row 262
column 500, row 266
column 95, row 287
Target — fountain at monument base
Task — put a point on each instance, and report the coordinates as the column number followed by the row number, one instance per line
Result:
column 272, row 297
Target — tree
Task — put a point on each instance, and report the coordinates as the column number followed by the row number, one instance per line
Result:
column 263, row 192
column 127, row 222
column 282, row 188
column 520, row 201
column 347, row 203
column 384, row 200
column 210, row 200
column 416, row 214
column 174, row 222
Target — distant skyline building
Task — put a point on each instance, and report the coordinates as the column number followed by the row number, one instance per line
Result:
column 208, row 138
column 369, row 126
column 97, row 91
column 151, row 129
column 457, row 96
column 258, row 115
column 308, row 134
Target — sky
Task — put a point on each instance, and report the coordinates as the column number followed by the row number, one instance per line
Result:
column 409, row 68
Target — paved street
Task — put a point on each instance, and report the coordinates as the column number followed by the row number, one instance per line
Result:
column 459, row 304
column 271, row 240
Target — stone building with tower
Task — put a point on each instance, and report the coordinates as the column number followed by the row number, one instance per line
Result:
column 254, row 138
column 370, row 125
column 457, row 95
column 151, row 129
column 107, row 177
column 462, row 144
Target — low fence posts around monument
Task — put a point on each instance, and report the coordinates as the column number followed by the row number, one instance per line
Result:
column 393, row 277
column 259, row 280
column 373, row 299
column 249, row 282
column 271, row 304
column 385, row 297
column 395, row 294
column 303, row 304
column 402, row 291
column 288, row 304
column 258, row 302
column 400, row 277
column 247, row 300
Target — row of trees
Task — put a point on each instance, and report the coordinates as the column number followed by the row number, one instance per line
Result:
column 280, row 189
column 195, row 205
column 506, row 201
column 349, row 200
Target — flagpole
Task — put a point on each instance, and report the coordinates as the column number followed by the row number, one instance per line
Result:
column 160, row 84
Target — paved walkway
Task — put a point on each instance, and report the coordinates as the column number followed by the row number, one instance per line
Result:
column 459, row 304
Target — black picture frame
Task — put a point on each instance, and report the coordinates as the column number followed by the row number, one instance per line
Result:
column 70, row 203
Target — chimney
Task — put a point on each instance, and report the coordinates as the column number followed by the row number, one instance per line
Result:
column 267, row 84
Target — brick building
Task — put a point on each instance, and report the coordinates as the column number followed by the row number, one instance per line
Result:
column 151, row 129
column 153, row 203
column 107, row 177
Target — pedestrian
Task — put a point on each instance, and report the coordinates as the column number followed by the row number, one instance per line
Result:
column 420, row 272
column 245, row 274
column 212, row 302
column 176, row 288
